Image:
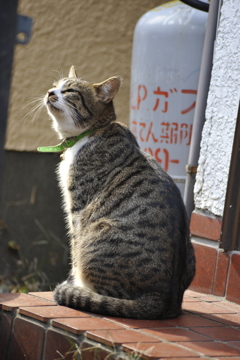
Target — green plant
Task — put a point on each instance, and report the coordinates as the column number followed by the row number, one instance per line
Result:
column 97, row 353
column 28, row 274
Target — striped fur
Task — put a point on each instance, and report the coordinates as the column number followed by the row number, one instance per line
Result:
column 130, row 248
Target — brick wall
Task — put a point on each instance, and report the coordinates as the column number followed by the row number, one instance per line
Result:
column 217, row 272
column 33, row 327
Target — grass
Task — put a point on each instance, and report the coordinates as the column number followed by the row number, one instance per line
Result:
column 29, row 274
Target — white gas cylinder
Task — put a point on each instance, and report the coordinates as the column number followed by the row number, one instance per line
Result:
column 166, row 58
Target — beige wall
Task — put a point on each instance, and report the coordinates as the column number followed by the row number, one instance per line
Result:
column 94, row 35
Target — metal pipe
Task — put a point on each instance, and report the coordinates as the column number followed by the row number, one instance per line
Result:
column 200, row 5
column 199, row 115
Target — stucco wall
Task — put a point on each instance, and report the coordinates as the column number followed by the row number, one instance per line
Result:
column 96, row 36
column 221, row 113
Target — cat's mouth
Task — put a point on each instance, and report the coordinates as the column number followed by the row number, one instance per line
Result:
column 53, row 106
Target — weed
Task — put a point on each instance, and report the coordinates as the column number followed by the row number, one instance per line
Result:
column 29, row 274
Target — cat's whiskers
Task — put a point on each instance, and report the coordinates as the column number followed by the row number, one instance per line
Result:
column 66, row 107
column 58, row 75
column 71, row 110
column 36, row 110
column 62, row 106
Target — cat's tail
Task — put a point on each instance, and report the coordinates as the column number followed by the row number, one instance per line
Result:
column 149, row 306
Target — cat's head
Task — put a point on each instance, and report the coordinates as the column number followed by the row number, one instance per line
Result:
column 76, row 105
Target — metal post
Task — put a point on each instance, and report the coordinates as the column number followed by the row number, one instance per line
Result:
column 199, row 114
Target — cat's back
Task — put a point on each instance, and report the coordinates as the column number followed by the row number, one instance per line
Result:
column 133, row 215
column 121, row 182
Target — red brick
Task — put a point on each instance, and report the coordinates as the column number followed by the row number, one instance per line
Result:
column 176, row 335
column 118, row 337
column 226, row 319
column 205, row 268
column 233, row 287
column 230, row 305
column 10, row 302
column 209, row 298
column 208, row 348
column 139, row 324
column 202, row 307
column 193, row 293
column 220, row 280
column 4, row 298
column 27, row 340
column 191, row 321
column 234, row 344
column 228, row 358
column 57, row 344
column 199, row 296
column 151, row 351
column 78, row 326
column 221, row 334
column 44, row 313
column 43, row 294
column 191, row 305
column 188, row 299
column 205, row 226
column 5, row 333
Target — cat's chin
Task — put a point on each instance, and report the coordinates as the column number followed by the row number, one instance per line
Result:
column 53, row 108
column 63, row 125
column 64, row 134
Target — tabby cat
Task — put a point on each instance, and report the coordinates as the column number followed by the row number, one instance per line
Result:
column 131, row 255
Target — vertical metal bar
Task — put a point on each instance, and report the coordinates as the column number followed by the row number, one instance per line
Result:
column 199, row 114
column 230, row 236
column 8, row 22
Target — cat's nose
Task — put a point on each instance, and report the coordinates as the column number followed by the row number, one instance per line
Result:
column 50, row 93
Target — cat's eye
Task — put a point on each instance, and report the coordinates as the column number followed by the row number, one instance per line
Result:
column 69, row 91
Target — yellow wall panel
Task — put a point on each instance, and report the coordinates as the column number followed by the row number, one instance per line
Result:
column 95, row 36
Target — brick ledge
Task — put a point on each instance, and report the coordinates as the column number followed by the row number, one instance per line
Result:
column 34, row 327
column 205, row 226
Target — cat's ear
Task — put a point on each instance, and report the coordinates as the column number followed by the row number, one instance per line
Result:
column 108, row 88
column 72, row 72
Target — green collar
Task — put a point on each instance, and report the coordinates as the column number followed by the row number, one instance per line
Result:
column 65, row 144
